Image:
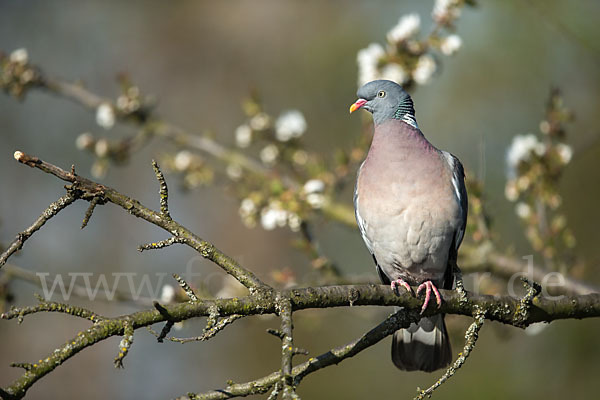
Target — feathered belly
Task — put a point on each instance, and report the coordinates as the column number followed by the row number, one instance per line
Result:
column 410, row 240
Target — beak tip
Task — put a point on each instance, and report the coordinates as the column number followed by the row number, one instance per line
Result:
column 358, row 104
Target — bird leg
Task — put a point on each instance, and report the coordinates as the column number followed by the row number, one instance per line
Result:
column 429, row 286
column 400, row 282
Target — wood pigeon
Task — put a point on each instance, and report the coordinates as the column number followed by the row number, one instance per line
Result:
column 410, row 202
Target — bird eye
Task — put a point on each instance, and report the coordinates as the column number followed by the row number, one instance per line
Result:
column 381, row 93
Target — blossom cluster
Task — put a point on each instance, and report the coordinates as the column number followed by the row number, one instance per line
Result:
column 285, row 210
column 534, row 166
column 16, row 74
column 406, row 59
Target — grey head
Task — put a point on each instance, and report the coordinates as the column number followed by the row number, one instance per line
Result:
column 385, row 100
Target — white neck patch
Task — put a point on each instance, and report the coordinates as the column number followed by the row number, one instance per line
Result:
column 409, row 119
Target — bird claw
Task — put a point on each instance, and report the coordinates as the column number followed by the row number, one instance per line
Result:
column 429, row 286
column 400, row 282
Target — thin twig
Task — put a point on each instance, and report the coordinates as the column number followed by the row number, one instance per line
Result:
column 186, row 288
column 161, row 244
column 211, row 332
column 287, row 349
column 51, row 306
column 125, row 343
column 470, row 339
column 522, row 311
column 164, row 191
column 50, row 212
column 88, row 213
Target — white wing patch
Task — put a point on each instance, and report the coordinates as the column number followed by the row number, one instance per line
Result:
column 459, row 191
column 362, row 225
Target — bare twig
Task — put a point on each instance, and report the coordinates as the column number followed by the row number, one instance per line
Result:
column 209, row 333
column 125, row 343
column 50, row 306
column 164, row 191
column 88, row 214
column 287, row 349
column 186, row 288
column 470, row 338
column 161, row 244
column 50, row 212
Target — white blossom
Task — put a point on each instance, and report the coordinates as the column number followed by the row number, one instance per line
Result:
column 101, row 148
column 545, row 127
column 260, row 122
column 368, row 61
column 84, row 141
column 234, row 171
column 565, row 152
column 273, row 216
column 294, row 222
column 315, row 200
column 521, row 148
column 268, row 218
column 424, row 70
column 105, row 116
column 243, row 136
column 183, row 160
column 445, row 10
column 451, row 44
column 407, row 26
column 167, row 294
column 19, row 56
column 122, row 102
column 523, row 210
column 394, row 72
column 314, row 186
column 290, row 125
column 247, row 208
column 269, row 154
column 99, row 169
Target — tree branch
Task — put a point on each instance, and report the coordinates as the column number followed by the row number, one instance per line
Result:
column 497, row 308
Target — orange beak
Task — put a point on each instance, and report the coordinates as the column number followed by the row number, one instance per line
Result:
column 358, row 104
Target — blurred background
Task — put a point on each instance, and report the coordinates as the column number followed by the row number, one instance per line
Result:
column 200, row 60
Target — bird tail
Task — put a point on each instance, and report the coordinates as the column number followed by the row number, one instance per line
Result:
column 422, row 347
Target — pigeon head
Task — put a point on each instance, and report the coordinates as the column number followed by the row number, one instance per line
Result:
column 385, row 100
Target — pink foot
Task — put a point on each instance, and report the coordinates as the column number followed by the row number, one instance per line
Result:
column 429, row 286
column 400, row 282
